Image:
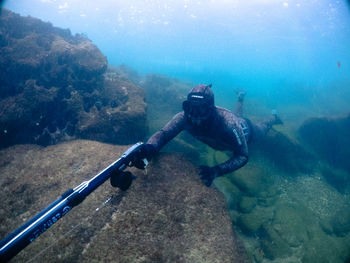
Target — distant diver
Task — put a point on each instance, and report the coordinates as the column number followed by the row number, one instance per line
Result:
column 217, row 127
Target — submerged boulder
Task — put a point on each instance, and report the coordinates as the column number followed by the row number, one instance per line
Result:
column 329, row 138
column 285, row 153
column 56, row 86
column 167, row 215
column 34, row 50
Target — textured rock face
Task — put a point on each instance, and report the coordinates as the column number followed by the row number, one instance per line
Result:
column 329, row 138
column 295, row 159
column 54, row 86
column 32, row 49
column 167, row 215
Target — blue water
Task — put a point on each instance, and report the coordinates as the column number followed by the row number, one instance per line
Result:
column 288, row 51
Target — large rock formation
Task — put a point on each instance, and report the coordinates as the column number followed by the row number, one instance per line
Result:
column 167, row 215
column 286, row 153
column 329, row 138
column 54, row 86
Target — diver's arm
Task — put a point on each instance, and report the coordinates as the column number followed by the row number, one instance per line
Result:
column 232, row 164
column 208, row 174
column 239, row 158
column 170, row 130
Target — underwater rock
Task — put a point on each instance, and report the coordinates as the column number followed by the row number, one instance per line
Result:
column 167, row 215
column 293, row 223
column 324, row 248
column 330, row 140
column 249, row 223
column 268, row 197
column 128, row 74
column 286, row 154
column 247, row 204
column 32, row 177
column 118, row 115
column 230, row 191
column 49, row 55
column 55, row 87
column 341, row 222
column 251, row 179
column 338, row 178
column 273, row 245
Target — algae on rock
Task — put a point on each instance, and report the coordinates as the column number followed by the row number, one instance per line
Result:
column 167, row 215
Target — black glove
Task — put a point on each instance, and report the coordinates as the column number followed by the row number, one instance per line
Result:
column 146, row 152
column 208, row 174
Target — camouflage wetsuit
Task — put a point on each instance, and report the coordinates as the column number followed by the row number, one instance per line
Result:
column 223, row 130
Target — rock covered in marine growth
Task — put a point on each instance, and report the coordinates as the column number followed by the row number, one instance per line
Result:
column 329, row 138
column 167, row 215
column 55, row 86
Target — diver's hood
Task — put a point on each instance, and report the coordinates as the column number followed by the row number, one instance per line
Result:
column 201, row 94
column 199, row 104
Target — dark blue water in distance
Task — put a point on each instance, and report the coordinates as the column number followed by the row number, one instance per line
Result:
column 289, row 55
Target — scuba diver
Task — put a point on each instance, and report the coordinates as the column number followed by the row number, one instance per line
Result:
column 217, row 127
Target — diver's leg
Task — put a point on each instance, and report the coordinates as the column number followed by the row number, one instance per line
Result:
column 239, row 106
column 260, row 129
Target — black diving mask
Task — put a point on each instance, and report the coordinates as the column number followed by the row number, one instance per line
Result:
column 196, row 109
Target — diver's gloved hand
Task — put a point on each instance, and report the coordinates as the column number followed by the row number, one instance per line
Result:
column 208, row 174
column 146, row 152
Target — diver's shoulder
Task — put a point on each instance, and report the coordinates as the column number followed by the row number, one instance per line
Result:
column 226, row 115
column 223, row 111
